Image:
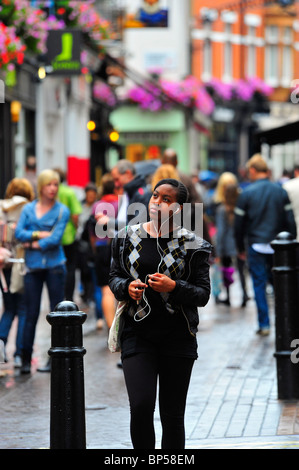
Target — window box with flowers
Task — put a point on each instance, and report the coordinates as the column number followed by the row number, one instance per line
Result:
column 158, row 94
column 251, row 94
column 165, row 95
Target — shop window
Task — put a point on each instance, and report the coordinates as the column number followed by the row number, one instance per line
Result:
column 287, row 57
column 207, row 53
column 138, row 152
column 251, row 52
column 279, row 55
column 135, row 152
column 228, row 53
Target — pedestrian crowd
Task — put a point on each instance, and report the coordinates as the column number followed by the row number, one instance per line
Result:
column 161, row 265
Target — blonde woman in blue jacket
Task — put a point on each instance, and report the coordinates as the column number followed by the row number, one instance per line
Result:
column 40, row 228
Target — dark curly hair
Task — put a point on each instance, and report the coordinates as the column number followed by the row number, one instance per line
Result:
column 181, row 190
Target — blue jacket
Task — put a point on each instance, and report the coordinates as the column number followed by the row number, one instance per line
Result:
column 263, row 210
column 51, row 253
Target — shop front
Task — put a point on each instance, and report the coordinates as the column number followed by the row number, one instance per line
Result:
column 144, row 135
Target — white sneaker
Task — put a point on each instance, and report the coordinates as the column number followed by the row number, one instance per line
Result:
column 2, row 351
column 18, row 362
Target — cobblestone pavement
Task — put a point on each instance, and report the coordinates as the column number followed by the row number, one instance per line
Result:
column 232, row 401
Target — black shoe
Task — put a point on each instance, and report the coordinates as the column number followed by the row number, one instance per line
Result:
column 224, row 302
column 245, row 300
column 46, row 368
column 26, row 367
column 119, row 365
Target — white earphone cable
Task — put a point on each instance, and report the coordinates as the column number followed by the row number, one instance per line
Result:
column 161, row 254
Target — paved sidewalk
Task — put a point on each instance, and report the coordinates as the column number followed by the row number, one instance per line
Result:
column 235, row 386
column 232, row 402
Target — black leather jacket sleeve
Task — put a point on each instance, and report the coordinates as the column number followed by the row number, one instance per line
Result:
column 119, row 279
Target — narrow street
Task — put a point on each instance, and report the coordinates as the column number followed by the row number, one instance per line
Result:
column 232, row 401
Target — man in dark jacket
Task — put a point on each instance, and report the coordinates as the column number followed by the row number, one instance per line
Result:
column 134, row 191
column 134, row 198
column 263, row 210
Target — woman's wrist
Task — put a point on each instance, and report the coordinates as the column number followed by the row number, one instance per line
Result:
column 35, row 235
column 35, row 245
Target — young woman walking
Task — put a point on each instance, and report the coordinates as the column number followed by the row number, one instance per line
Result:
column 162, row 270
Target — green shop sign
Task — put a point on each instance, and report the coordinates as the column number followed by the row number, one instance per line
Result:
column 64, row 49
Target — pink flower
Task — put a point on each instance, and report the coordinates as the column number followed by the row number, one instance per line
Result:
column 240, row 89
column 11, row 48
column 188, row 92
column 103, row 93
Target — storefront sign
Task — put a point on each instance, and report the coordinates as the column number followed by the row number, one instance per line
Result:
column 165, row 60
column 64, row 49
column 145, row 136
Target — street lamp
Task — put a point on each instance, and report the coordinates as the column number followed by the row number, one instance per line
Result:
column 41, row 73
column 114, row 136
column 91, row 125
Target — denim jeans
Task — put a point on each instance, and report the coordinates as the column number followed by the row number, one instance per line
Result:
column 34, row 281
column 97, row 295
column 14, row 306
column 260, row 266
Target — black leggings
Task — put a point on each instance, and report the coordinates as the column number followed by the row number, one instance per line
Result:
column 141, row 372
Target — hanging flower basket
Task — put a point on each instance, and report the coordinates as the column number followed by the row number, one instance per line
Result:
column 244, row 91
column 166, row 95
column 11, row 48
column 25, row 28
column 103, row 93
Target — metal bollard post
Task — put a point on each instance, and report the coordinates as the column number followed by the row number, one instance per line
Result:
column 286, row 313
column 67, row 420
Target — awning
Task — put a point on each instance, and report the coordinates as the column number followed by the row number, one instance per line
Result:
column 279, row 135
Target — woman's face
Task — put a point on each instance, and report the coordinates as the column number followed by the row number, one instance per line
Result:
column 163, row 203
column 90, row 196
column 50, row 190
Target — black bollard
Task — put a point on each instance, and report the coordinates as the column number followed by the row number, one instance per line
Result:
column 286, row 314
column 67, row 420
